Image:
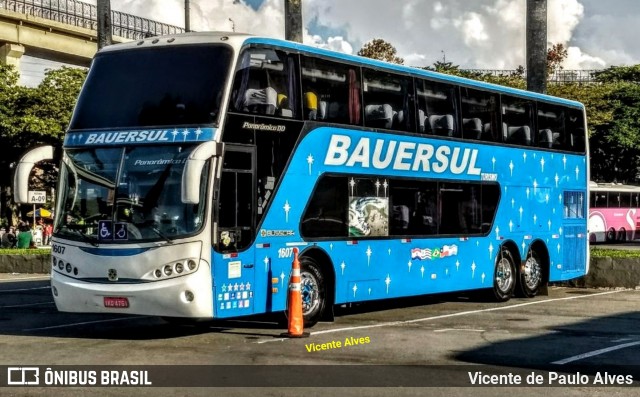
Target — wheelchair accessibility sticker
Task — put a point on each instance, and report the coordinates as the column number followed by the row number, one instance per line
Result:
column 107, row 230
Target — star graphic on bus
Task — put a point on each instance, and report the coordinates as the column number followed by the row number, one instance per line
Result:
column 310, row 162
column 286, row 209
column 387, row 281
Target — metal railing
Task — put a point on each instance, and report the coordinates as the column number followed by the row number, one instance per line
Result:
column 558, row 77
column 80, row 14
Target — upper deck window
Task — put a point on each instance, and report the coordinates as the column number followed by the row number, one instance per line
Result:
column 266, row 84
column 331, row 91
column 155, row 87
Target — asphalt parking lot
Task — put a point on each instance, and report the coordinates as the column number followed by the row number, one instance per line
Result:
column 448, row 343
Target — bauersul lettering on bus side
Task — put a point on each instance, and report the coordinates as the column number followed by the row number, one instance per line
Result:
column 401, row 156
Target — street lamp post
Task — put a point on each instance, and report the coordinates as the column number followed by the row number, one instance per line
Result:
column 187, row 16
column 536, row 45
column 103, row 8
column 293, row 20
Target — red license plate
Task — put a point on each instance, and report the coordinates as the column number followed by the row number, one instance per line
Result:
column 117, row 302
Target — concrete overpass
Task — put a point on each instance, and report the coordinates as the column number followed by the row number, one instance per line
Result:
column 63, row 30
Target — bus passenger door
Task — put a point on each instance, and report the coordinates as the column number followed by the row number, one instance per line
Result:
column 234, row 272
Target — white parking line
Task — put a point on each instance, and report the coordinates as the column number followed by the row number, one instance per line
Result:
column 27, row 304
column 33, row 278
column 595, row 353
column 83, row 323
column 24, row 289
column 458, row 329
column 458, row 314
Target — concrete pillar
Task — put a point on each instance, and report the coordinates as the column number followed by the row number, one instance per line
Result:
column 10, row 54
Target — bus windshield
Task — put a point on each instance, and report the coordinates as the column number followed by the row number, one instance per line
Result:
column 135, row 188
column 161, row 86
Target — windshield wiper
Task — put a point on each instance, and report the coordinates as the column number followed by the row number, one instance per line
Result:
column 159, row 233
column 78, row 229
column 151, row 224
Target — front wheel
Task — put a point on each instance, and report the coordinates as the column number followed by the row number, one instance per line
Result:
column 504, row 277
column 313, row 291
column 531, row 276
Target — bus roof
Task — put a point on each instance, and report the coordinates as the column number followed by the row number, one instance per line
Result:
column 238, row 40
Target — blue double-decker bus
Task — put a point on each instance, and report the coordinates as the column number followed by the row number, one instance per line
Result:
column 195, row 163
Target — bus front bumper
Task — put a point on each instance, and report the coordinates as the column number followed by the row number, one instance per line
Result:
column 186, row 296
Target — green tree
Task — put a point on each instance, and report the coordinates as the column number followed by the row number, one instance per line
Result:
column 31, row 117
column 618, row 74
column 380, row 50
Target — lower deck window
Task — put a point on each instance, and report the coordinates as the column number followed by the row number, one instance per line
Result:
column 355, row 206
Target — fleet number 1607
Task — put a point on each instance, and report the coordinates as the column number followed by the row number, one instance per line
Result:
column 285, row 252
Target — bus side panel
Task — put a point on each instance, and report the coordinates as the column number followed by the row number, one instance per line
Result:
column 234, row 290
column 530, row 209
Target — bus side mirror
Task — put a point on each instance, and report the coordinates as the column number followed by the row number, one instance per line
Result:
column 190, row 192
column 23, row 169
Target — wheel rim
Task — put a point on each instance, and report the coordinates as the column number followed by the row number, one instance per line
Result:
column 310, row 293
column 532, row 273
column 504, row 275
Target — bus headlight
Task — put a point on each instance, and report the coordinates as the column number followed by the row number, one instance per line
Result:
column 158, row 273
column 168, row 270
column 191, row 264
column 179, row 268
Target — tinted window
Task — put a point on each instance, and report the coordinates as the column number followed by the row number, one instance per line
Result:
column 387, row 101
column 551, row 130
column 480, row 117
column 153, row 87
column 331, row 91
column 517, row 120
column 575, row 140
column 376, row 207
column 437, row 108
column 574, row 205
column 266, row 83
column 326, row 215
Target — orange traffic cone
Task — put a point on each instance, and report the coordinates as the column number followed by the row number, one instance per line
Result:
column 294, row 308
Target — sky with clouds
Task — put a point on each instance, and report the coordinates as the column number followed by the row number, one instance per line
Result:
column 484, row 34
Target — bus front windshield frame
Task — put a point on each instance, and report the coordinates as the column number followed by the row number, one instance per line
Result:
column 137, row 187
column 154, row 87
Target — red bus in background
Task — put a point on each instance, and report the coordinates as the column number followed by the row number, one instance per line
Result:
column 614, row 212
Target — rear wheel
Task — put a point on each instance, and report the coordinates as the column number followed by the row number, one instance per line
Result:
column 313, row 290
column 531, row 276
column 611, row 235
column 504, row 277
column 622, row 235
